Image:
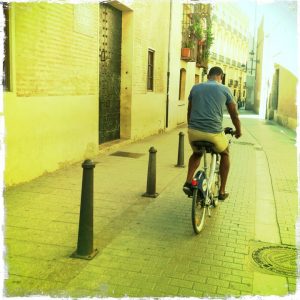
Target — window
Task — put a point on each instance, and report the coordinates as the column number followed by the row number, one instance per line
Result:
column 197, row 78
column 223, row 78
column 182, row 84
column 6, row 61
column 150, row 74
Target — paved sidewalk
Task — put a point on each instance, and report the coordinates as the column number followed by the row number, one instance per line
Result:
column 147, row 246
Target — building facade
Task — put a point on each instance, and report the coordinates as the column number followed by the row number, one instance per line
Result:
column 230, row 47
column 217, row 35
column 276, row 71
column 51, row 87
column 83, row 75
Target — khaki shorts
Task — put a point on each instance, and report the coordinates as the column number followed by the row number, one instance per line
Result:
column 218, row 139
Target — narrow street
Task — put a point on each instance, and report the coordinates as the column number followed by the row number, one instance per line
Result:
column 147, row 246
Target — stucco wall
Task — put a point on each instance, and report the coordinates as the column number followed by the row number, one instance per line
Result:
column 150, row 31
column 176, row 106
column 287, row 98
column 259, row 76
column 51, row 112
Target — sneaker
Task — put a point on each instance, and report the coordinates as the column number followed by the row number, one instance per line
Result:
column 223, row 196
column 187, row 188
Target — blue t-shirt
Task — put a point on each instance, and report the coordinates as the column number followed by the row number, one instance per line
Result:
column 208, row 100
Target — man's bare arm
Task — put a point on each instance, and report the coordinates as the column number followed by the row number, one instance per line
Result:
column 231, row 107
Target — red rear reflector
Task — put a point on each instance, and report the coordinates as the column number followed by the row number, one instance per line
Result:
column 194, row 182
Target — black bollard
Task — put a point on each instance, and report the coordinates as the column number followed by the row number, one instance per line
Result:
column 151, row 178
column 180, row 159
column 85, row 248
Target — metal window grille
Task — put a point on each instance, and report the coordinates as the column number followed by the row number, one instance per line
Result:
column 150, row 74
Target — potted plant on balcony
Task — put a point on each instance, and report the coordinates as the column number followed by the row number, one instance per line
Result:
column 186, row 49
column 196, row 29
column 187, row 45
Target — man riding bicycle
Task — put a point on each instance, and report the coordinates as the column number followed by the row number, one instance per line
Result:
column 205, row 118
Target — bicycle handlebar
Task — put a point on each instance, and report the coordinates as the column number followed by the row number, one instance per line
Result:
column 229, row 130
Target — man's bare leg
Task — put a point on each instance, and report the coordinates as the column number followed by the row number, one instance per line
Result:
column 194, row 163
column 224, row 169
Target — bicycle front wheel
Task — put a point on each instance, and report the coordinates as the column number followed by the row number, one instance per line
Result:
column 198, row 212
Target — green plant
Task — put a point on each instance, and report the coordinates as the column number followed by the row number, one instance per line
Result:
column 198, row 31
column 196, row 28
column 209, row 38
column 187, row 39
column 188, row 44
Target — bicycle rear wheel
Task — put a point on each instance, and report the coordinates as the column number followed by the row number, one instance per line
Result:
column 198, row 212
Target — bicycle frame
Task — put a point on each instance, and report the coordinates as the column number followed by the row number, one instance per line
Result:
column 210, row 177
column 213, row 163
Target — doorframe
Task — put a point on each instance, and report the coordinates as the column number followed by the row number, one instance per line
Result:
column 126, row 87
column 127, row 65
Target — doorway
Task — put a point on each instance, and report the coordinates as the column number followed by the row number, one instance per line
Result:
column 110, row 37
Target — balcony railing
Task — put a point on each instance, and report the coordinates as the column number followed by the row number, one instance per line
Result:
column 227, row 60
column 201, row 60
column 221, row 58
column 233, row 62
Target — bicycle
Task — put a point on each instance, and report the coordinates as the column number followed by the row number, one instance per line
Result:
column 206, row 184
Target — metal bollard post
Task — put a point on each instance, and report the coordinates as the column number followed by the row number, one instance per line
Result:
column 180, row 159
column 151, row 178
column 85, row 248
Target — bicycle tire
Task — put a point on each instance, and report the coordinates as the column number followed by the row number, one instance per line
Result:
column 198, row 212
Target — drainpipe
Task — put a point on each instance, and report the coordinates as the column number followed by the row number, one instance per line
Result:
column 168, row 73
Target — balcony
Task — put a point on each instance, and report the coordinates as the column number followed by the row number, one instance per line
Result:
column 221, row 58
column 227, row 60
column 233, row 62
column 197, row 36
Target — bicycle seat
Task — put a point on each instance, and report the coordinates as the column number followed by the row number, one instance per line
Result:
column 209, row 147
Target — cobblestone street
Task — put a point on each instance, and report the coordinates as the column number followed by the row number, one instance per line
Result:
column 147, row 246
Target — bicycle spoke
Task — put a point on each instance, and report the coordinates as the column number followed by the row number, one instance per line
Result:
column 198, row 212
